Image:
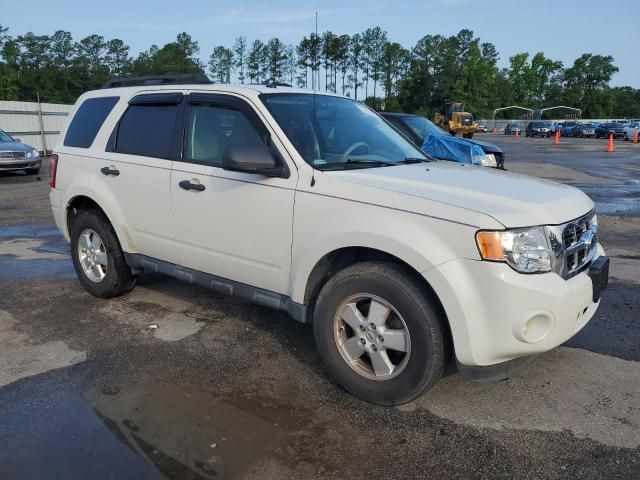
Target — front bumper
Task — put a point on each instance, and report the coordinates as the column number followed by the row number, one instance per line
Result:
column 497, row 314
column 17, row 164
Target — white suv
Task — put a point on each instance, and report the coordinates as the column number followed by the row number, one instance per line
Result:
column 315, row 205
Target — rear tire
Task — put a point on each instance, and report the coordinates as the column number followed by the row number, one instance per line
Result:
column 355, row 353
column 97, row 256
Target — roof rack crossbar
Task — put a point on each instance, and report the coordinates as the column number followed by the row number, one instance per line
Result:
column 178, row 79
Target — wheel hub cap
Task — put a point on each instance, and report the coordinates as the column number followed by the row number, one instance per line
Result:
column 92, row 255
column 372, row 337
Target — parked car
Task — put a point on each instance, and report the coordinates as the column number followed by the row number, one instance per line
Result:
column 447, row 147
column 631, row 130
column 605, row 129
column 583, row 130
column 512, row 128
column 558, row 126
column 567, row 128
column 538, row 128
column 16, row 156
column 314, row 205
column 482, row 128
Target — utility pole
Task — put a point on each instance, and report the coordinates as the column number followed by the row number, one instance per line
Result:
column 43, row 139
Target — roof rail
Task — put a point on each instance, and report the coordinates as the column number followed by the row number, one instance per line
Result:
column 183, row 78
column 272, row 83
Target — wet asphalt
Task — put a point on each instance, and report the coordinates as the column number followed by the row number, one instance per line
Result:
column 221, row 388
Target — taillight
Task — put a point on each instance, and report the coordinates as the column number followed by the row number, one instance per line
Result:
column 53, row 169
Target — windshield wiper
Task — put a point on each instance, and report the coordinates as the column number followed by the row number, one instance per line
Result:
column 370, row 161
column 410, row 160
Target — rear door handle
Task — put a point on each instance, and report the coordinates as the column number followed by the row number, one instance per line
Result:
column 110, row 171
column 187, row 185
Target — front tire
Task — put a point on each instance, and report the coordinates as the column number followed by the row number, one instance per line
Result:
column 380, row 333
column 97, row 256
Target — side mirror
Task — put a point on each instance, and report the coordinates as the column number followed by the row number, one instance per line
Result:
column 252, row 159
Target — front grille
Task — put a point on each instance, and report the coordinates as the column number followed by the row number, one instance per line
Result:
column 579, row 242
column 12, row 154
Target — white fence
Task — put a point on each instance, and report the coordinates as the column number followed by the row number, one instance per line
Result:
column 35, row 125
column 500, row 124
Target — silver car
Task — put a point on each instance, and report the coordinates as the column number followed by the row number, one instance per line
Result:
column 16, row 156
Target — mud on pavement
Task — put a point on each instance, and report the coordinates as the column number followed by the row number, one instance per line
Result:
column 174, row 381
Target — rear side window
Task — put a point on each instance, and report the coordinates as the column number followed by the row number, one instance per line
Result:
column 147, row 129
column 87, row 121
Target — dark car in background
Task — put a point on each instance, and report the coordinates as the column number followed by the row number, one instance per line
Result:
column 16, row 156
column 584, row 130
column 538, row 128
column 605, row 129
column 511, row 128
column 418, row 128
column 567, row 129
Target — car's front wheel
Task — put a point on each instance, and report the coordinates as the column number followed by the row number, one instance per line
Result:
column 97, row 256
column 380, row 333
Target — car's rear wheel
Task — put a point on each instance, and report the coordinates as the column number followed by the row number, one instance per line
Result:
column 97, row 256
column 380, row 333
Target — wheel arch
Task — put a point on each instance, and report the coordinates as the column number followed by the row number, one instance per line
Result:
column 340, row 258
column 81, row 203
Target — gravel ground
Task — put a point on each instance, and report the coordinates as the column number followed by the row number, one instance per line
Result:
column 225, row 389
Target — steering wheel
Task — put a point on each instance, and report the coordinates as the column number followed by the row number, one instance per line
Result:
column 350, row 150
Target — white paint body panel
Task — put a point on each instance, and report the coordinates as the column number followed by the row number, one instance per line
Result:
column 271, row 232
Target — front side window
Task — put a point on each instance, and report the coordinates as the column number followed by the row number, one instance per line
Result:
column 147, row 130
column 332, row 133
column 87, row 121
column 5, row 137
column 211, row 130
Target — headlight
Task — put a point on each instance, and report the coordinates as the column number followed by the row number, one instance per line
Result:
column 35, row 153
column 489, row 160
column 526, row 250
column 28, row 154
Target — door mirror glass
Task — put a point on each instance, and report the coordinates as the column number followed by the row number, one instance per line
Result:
column 251, row 159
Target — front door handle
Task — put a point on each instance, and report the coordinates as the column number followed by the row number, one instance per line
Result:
column 110, row 171
column 187, row 185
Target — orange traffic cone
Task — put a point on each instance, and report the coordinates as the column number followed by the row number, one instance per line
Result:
column 610, row 147
column 493, row 132
column 556, row 140
column 635, row 136
column 517, row 133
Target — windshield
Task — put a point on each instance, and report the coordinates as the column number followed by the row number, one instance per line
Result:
column 335, row 133
column 423, row 127
column 4, row 137
column 540, row 124
column 587, row 125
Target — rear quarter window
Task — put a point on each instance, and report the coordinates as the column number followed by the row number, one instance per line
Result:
column 87, row 121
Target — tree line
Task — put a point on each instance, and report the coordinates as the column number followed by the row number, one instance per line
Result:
column 367, row 66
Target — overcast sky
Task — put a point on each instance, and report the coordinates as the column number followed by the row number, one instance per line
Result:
column 562, row 29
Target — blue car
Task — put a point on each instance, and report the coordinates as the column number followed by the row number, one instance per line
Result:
column 442, row 145
column 16, row 156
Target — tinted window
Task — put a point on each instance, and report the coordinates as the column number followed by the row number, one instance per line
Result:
column 211, row 130
column 87, row 121
column 147, row 130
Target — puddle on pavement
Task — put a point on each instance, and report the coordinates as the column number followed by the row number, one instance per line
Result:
column 179, row 431
column 29, row 251
column 622, row 200
column 56, row 424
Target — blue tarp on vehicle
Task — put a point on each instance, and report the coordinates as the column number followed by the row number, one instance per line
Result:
column 455, row 149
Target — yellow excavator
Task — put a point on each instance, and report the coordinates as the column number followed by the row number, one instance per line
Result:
column 455, row 120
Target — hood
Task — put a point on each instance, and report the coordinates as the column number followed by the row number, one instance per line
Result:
column 15, row 147
column 487, row 147
column 512, row 199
